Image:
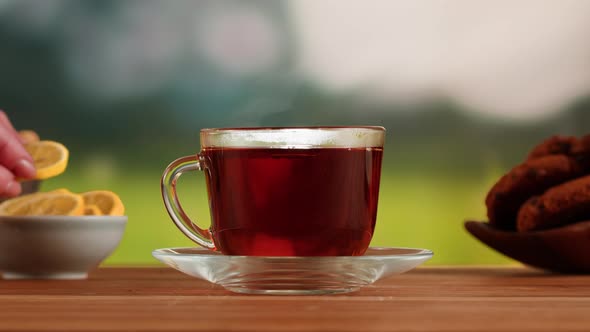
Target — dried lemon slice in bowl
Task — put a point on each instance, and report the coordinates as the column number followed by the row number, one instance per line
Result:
column 106, row 201
column 92, row 210
column 9, row 206
column 44, row 204
column 64, row 203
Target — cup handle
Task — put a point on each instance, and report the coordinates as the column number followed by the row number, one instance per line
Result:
column 181, row 220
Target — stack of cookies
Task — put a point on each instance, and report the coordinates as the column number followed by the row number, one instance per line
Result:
column 551, row 188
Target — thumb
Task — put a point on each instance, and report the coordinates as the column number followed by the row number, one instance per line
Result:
column 13, row 155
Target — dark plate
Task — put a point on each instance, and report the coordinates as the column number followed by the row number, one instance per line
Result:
column 565, row 249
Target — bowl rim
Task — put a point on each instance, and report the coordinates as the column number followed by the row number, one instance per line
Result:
column 62, row 219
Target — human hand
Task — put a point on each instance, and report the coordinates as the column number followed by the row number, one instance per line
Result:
column 15, row 161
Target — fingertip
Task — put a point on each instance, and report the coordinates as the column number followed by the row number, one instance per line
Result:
column 12, row 189
column 25, row 169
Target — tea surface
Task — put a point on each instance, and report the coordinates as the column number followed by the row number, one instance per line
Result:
column 293, row 202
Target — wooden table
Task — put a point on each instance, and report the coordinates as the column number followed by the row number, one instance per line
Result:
column 426, row 299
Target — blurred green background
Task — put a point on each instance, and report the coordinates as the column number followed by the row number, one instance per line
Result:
column 128, row 84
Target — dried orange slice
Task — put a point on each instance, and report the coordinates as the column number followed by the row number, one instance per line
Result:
column 28, row 136
column 92, row 210
column 40, row 204
column 107, row 201
column 50, row 158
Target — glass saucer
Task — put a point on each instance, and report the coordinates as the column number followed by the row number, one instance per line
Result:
column 292, row 275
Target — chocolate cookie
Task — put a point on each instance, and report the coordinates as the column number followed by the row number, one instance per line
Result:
column 553, row 145
column 581, row 148
column 560, row 205
column 528, row 179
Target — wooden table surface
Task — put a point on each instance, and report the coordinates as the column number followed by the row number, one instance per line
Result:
column 426, row 299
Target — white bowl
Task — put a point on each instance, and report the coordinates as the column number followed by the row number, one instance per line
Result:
column 56, row 247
